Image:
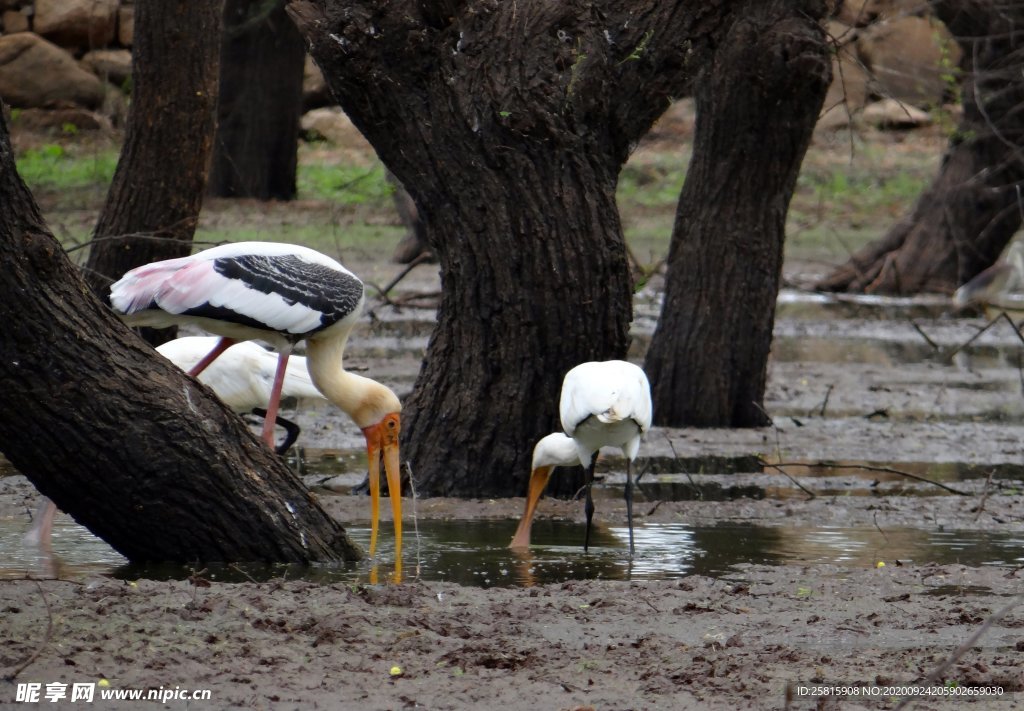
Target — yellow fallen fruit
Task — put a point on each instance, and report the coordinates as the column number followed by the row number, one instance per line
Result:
column 103, row 683
column 396, row 670
column 880, row 564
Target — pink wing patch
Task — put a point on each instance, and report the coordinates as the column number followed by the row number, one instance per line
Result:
column 137, row 289
column 174, row 285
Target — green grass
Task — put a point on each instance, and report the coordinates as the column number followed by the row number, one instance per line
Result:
column 52, row 167
column 344, row 184
column 847, row 195
column 329, row 238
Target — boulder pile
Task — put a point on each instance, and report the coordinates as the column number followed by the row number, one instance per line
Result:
column 73, row 58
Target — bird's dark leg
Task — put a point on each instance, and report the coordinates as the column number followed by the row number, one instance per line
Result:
column 291, row 430
column 629, row 502
column 222, row 345
column 588, row 508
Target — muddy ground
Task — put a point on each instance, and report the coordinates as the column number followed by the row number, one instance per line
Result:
column 850, row 382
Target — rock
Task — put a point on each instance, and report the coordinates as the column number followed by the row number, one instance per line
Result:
column 114, row 65
column 315, row 92
column 847, row 94
column 890, row 113
column 126, row 25
column 861, row 13
column 76, row 23
column 36, row 73
column 334, row 126
column 70, row 119
column 910, row 59
column 15, row 21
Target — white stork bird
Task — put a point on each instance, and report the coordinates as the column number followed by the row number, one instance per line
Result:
column 603, row 404
column 242, row 378
column 997, row 289
column 281, row 294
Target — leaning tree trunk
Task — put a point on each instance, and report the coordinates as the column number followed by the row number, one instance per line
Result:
column 255, row 151
column 153, row 204
column 508, row 123
column 962, row 221
column 757, row 102
column 119, row 438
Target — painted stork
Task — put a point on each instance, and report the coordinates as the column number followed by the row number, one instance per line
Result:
column 242, row 378
column 281, row 294
column 603, row 404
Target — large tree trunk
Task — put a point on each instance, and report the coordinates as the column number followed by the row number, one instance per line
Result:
column 121, row 439
column 153, row 204
column 757, row 102
column 508, row 123
column 962, row 221
column 255, row 151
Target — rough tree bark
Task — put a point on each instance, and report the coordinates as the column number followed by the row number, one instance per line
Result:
column 122, row 440
column 508, row 123
column 757, row 102
column 261, row 62
column 964, row 219
column 153, row 204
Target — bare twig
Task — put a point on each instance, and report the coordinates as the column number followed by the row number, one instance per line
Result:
column 382, row 293
column 960, row 651
column 237, row 569
column 929, row 341
column 874, row 520
column 870, row 468
column 689, row 477
column 984, row 495
column 824, row 403
column 13, row 673
column 783, row 472
column 1002, row 316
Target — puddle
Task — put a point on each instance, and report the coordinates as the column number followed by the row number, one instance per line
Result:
column 474, row 553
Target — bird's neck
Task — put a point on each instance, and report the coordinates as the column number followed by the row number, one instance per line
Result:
column 364, row 400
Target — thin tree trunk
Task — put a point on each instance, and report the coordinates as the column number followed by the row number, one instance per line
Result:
column 964, row 219
column 757, row 103
column 153, row 204
column 255, row 151
column 508, row 124
column 121, row 439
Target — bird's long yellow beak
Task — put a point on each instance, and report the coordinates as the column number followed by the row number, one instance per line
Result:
column 382, row 438
column 538, row 480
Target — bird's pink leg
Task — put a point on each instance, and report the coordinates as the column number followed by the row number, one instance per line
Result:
column 222, row 345
column 41, row 533
column 275, row 400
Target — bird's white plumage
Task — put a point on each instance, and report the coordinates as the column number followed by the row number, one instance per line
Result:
column 555, row 450
column 243, row 375
column 605, row 403
column 996, row 285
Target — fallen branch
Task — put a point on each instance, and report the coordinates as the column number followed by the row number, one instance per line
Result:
column 870, row 468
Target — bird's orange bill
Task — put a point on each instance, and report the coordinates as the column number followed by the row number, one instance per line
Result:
column 382, row 442
column 538, row 480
